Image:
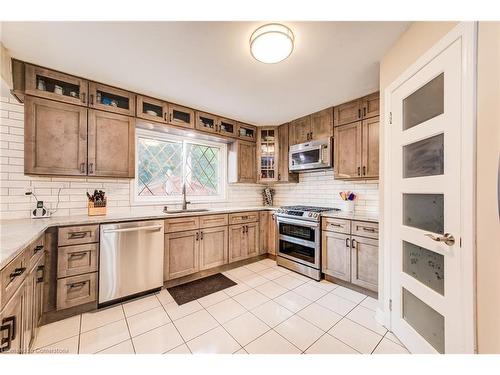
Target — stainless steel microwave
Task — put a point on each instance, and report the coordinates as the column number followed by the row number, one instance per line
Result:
column 311, row 155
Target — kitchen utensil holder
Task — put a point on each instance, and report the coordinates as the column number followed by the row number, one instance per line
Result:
column 96, row 208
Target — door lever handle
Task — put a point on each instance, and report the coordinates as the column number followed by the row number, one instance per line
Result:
column 447, row 238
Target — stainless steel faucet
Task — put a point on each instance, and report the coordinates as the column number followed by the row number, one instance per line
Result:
column 184, row 201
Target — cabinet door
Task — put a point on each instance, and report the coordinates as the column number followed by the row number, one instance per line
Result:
column 238, row 244
column 227, row 127
column 348, row 151
column 336, row 257
column 213, row 247
column 55, row 136
column 151, row 109
column 28, row 310
column 364, row 262
column 347, row 113
column 322, row 124
column 370, row 147
column 38, row 297
column 206, row 122
column 182, row 254
column 11, row 324
column 284, row 174
column 181, row 116
column 371, row 105
column 111, row 99
column 271, row 247
column 252, row 234
column 299, row 130
column 54, row 85
column 264, row 219
column 246, row 132
column 111, row 145
column 247, row 169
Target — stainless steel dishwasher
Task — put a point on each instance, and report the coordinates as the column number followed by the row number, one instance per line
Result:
column 130, row 260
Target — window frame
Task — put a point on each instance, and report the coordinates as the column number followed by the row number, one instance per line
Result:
column 137, row 200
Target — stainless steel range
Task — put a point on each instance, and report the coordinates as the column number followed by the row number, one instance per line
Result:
column 299, row 239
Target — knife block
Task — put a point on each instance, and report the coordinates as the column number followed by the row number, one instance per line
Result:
column 96, row 208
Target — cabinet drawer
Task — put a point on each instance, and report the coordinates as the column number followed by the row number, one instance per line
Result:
column 76, row 260
column 35, row 251
column 78, row 235
column 12, row 276
column 76, row 290
column 211, row 221
column 243, row 217
column 336, row 225
column 365, row 229
column 182, row 224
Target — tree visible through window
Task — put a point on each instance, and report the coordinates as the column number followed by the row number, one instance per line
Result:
column 163, row 166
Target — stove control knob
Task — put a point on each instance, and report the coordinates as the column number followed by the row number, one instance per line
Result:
column 316, row 215
column 309, row 214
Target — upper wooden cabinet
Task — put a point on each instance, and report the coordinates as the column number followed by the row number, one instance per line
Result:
column 111, row 145
column 357, row 150
column 284, row 175
column 55, row 136
column 246, row 132
column 152, row 109
column 206, row 122
column 318, row 125
column 54, row 85
column 181, row 116
column 227, row 127
column 267, row 151
column 355, row 110
column 299, row 130
column 111, row 99
column 242, row 164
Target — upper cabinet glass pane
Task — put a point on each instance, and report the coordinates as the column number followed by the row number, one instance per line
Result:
column 424, row 158
column 424, row 265
column 46, row 83
column 424, row 211
column 113, row 100
column 425, row 103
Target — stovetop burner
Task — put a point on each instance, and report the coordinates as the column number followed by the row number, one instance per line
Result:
column 310, row 213
column 310, row 208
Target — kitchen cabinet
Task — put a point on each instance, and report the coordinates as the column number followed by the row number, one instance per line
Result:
column 267, row 236
column 11, row 320
column 272, row 234
column 267, row 152
column 316, row 126
column 349, row 251
column 242, row 165
column 152, row 109
column 284, row 175
column 227, row 127
column 243, row 241
column 111, row 99
column 55, row 136
column 181, row 116
column 111, row 145
column 246, row 132
column 206, row 122
column 213, row 247
column 50, row 84
column 355, row 110
column 357, row 150
column 299, row 130
column 182, row 252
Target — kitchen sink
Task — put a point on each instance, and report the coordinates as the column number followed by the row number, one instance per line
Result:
column 185, row 211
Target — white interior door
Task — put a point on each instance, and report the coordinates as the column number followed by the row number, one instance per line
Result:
column 430, row 313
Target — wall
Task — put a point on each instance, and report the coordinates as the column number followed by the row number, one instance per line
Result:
column 488, row 158
column 321, row 189
column 13, row 183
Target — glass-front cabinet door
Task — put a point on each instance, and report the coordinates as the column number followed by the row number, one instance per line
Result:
column 206, row 122
column 227, row 127
column 54, row 85
column 246, row 132
column 111, row 99
column 152, row 109
column 267, row 144
column 181, row 116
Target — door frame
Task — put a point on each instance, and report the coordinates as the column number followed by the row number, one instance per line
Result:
column 467, row 33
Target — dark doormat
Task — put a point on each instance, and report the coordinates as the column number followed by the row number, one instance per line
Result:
column 200, row 288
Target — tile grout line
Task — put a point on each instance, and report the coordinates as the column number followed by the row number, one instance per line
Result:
column 79, row 334
column 128, row 328
column 172, row 321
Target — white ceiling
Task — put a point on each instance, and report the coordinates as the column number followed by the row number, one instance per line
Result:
column 208, row 66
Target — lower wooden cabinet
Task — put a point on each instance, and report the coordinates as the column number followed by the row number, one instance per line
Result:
column 182, row 251
column 76, row 290
column 213, row 247
column 336, row 256
column 243, row 241
column 11, row 322
column 267, row 233
column 364, row 262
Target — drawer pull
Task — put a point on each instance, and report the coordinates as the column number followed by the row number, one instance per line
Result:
column 336, row 225
column 77, row 285
column 8, row 324
column 78, row 255
column 366, row 229
column 37, row 248
column 41, row 269
column 17, row 272
column 77, row 235
column 244, row 217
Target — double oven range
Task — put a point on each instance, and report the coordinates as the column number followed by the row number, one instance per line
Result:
column 299, row 239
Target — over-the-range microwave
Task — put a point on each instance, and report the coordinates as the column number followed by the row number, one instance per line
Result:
column 311, row 155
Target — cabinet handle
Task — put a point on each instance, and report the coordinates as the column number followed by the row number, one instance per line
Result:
column 364, row 111
column 8, row 324
column 77, row 285
column 39, row 279
column 17, row 272
column 82, row 167
column 84, row 97
column 336, row 225
column 170, row 117
column 37, row 248
column 165, row 116
column 353, row 243
column 92, row 99
column 279, row 176
column 197, row 236
column 91, row 168
column 347, row 242
column 77, row 235
column 364, row 171
column 366, row 229
column 80, row 254
column 359, row 113
column 201, row 235
column 359, row 171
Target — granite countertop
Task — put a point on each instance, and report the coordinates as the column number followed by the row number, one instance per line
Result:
column 15, row 235
column 361, row 216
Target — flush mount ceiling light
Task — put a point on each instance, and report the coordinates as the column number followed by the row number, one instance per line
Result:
column 271, row 43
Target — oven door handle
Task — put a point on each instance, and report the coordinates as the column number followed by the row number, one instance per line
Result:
column 303, row 223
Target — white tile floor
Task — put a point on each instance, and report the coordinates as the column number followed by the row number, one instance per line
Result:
column 272, row 310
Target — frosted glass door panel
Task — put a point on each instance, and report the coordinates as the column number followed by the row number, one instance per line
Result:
column 424, row 265
column 424, row 158
column 424, row 211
